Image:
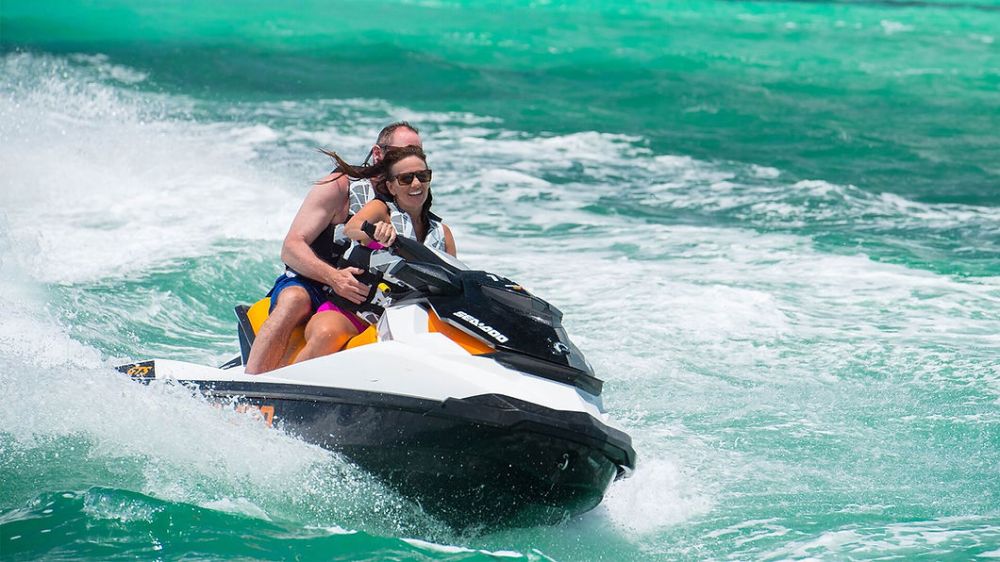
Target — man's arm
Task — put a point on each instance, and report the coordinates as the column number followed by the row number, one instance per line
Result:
column 322, row 206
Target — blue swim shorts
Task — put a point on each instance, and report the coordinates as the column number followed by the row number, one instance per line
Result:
column 313, row 288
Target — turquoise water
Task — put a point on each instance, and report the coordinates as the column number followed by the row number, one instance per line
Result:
column 773, row 227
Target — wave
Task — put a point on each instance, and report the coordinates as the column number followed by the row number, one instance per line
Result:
column 118, row 524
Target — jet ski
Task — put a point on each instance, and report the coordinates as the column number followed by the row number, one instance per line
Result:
column 466, row 396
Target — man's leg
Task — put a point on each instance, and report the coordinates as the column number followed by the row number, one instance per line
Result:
column 292, row 309
column 326, row 333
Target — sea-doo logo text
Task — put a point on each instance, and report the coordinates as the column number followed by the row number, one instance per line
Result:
column 484, row 327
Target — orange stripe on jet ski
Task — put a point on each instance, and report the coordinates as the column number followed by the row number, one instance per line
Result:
column 470, row 343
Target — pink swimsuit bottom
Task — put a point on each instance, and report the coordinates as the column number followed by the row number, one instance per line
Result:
column 358, row 323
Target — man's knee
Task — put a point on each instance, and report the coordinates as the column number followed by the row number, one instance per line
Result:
column 293, row 305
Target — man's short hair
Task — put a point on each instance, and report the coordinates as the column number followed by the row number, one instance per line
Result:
column 385, row 135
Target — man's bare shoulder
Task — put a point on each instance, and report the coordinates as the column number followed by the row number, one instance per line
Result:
column 330, row 191
column 333, row 183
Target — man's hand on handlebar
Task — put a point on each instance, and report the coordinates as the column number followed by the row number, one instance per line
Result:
column 343, row 282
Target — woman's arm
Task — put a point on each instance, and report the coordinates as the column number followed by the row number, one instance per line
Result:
column 377, row 213
column 449, row 241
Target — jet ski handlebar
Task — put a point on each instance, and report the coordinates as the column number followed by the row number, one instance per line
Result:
column 369, row 229
column 412, row 250
column 420, row 268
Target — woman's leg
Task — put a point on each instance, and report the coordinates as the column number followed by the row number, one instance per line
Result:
column 326, row 333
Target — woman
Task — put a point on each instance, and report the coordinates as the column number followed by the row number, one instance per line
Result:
column 401, row 207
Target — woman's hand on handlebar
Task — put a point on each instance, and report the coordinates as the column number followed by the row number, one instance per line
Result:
column 385, row 233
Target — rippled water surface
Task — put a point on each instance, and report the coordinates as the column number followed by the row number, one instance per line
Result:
column 773, row 227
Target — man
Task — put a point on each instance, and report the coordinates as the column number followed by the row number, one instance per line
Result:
column 299, row 292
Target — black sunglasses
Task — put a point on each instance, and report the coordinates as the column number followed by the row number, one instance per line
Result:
column 423, row 176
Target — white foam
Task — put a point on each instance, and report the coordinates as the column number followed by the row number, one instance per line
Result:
column 657, row 496
column 334, row 530
column 240, row 506
column 943, row 537
column 451, row 549
column 764, row 171
column 890, row 27
column 115, row 72
column 104, row 184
